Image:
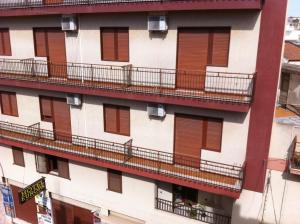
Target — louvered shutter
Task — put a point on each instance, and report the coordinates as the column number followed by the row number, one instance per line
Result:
column 114, row 180
column 110, row 119
column 13, row 104
column 18, row 156
column 41, row 161
column 214, row 134
column 220, row 46
column 46, row 109
column 122, row 44
column 5, row 103
column 108, row 42
column 40, row 43
column 124, row 117
column 63, row 168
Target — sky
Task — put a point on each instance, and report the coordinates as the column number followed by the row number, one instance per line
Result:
column 294, row 8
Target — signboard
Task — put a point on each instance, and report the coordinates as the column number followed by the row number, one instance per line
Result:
column 44, row 208
column 32, row 190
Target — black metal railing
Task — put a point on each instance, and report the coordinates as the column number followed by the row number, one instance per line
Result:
column 211, row 173
column 199, row 214
column 205, row 85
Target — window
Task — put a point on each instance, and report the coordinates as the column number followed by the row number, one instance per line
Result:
column 52, row 165
column 9, row 104
column 5, row 48
column 46, row 108
column 18, row 156
column 213, row 134
column 40, row 42
column 117, row 119
column 218, row 43
column 115, row 44
column 114, row 180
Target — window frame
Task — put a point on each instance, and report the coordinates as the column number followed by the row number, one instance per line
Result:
column 117, row 119
column 116, row 47
column 10, row 104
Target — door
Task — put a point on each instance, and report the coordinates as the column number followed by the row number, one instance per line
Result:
column 192, row 57
column 26, row 211
column 188, row 140
column 62, row 120
column 62, row 212
column 56, row 53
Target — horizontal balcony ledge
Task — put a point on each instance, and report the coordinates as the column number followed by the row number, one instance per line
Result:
column 36, row 7
column 206, row 89
column 217, row 178
column 192, row 212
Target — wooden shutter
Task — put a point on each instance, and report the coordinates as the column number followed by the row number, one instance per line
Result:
column 124, row 121
column 114, row 180
column 26, row 211
column 42, row 163
column 5, row 47
column 18, row 156
column 62, row 212
column 62, row 120
column 122, row 44
column 188, row 139
column 110, row 119
column 108, row 48
column 46, row 109
column 5, row 103
column 9, row 104
column 40, row 42
column 82, row 216
column 63, row 168
column 213, row 134
column 220, row 46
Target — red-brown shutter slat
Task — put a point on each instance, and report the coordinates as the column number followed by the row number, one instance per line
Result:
column 62, row 119
column 26, row 211
column 123, row 44
column 13, row 104
column 188, row 139
column 5, row 103
column 18, row 156
column 57, row 52
column 124, row 121
column 63, row 168
column 220, row 46
column 46, row 108
column 214, row 134
column 114, row 180
column 110, row 119
column 40, row 42
column 192, row 54
column 108, row 42
column 6, row 42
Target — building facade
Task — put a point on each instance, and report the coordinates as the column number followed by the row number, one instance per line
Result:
column 139, row 111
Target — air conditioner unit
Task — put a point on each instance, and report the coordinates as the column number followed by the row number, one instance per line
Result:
column 157, row 23
column 74, row 99
column 69, row 23
column 156, row 110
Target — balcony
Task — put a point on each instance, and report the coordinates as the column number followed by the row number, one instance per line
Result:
column 41, row 7
column 213, row 90
column 212, row 177
column 193, row 212
column 295, row 158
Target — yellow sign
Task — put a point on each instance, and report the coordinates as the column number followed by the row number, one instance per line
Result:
column 32, row 190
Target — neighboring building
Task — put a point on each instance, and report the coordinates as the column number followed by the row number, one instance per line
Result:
column 141, row 111
column 292, row 30
column 292, row 52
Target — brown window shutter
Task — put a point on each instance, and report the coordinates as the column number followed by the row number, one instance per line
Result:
column 46, row 109
column 5, row 103
column 5, row 47
column 62, row 212
column 42, row 164
column 108, row 48
column 114, row 180
column 220, row 46
column 110, row 119
column 63, row 168
column 18, row 156
column 13, row 104
column 40, row 42
column 124, row 121
column 214, row 134
column 82, row 216
column 122, row 44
